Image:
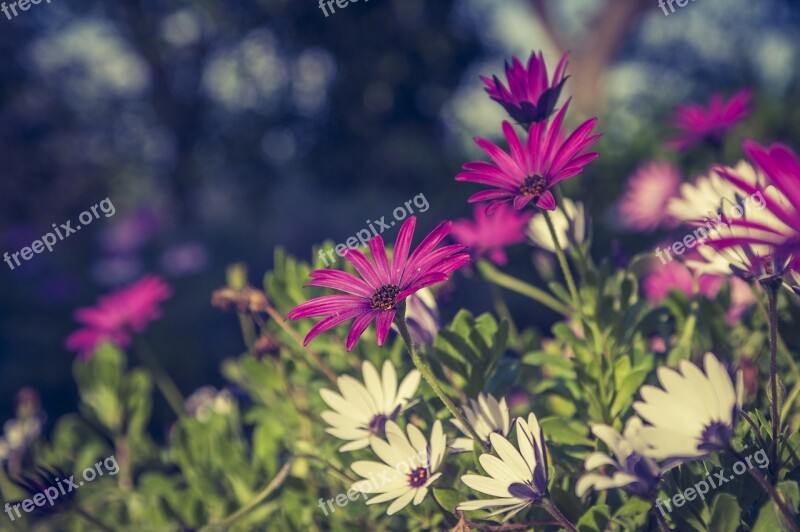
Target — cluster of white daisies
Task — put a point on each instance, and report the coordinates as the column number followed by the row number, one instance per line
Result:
column 692, row 414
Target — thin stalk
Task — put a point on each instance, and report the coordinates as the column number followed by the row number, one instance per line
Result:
column 495, row 276
column 772, row 295
column 281, row 321
column 164, row 382
column 753, row 425
column 428, row 375
column 553, row 510
column 662, row 523
column 92, row 519
column 562, row 260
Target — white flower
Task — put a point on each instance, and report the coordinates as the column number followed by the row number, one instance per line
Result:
column 207, row 400
column 517, row 477
column 694, row 414
column 704, row 197
column 569, row 222
column 362, row 411
column 635, row 472
column 408, row 469
column 19, row 434
column 487, row 415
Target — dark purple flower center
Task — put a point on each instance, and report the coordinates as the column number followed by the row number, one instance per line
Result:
column 715, row 436
column 647, row 474
column 418, row 477
column 525, row 491
column 385, row 298
column 376, row 426
column 533, row 186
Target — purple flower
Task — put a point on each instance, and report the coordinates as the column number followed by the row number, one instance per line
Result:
column 643, row 206
column 697, row 124
column 489, row 235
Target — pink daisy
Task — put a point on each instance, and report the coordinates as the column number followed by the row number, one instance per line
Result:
column 531, row 97
column 117, row 315
column 489, row 235
column 529, row 171
column 697, row 124
column 675, row 276
column 382, row 286
column 643, row 206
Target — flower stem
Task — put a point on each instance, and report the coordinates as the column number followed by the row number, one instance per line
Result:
column 772, row 295
column 92, row 519
column 495, row 276
column 562, row 260
column 163, row 380
column 428, row 375
column 553, row 510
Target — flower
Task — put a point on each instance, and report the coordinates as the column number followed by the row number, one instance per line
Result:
column 409, row 466
column 675, row 276
column 697, row 124
column 569, row 223
column 489, row 235
column 517, row 477
column 531, row 97
column 422, row 317
column 528, row 172
column 635, row 472
column 487, row 416
column 383, row 285
column 207, row 400
column 360, row 411
column 650, row 188
column 118, row 315
column 693, row 414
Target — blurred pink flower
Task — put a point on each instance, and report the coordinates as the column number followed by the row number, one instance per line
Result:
column 675, row 276
column 488, row 235
column 742, row 298
column 117, row 315
column 643, row 206
column 697, row 124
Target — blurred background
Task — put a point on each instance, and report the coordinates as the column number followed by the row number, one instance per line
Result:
column 220, row 130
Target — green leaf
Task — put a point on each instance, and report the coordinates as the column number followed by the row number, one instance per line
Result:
column 595, row 520
column 447, row 498
column 725, row 514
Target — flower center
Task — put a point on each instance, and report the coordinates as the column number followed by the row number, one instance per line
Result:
column 418, row 477
column 533, row 185
column 376, row 426
column 385, row 298
column 715, row 436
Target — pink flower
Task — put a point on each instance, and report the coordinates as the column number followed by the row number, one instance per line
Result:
column 643, row 206
column 528, row 172
column 531, row 97
column 697, row 124
column 382, row 286
column 118, row 315
column 676, row 276
column 490, row 234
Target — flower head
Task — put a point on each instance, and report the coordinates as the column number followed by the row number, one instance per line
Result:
column 569, row 223
column 118, row 315
column 409, row 466
column 490, row 234
column 518, row 477
column 361, row 411
column 529, row 171
column 692, row 414
column 650, row 188
column 207, row 400
column 382, row 286
column 531, row 96
column 676, row 276
column 487, row 416
column 634, row 472
column 697, row 124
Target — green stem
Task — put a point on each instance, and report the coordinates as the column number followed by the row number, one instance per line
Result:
column 428, row 375
column 562, row 260
column 92, row 519
column 281, row 321
column 553, row 510
column 162, row 379
column 274, row 484
column 495, row 276
column 772, row 295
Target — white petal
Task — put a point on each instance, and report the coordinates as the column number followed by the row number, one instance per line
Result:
column 510, row 455
column 389, row 385
column 388, row 496
column 438, row 446
column 597, row 459
column 355, row 445
column 418, row 441
column 401, row 502
column 502, row 471
column 356, row 394
column 341, row 406
column 420, row 495
column 408, row 387
column 373, row 382
column 487, row 485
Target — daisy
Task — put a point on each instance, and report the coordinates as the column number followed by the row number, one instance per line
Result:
column 569, row 223
column 489, row 234
column 518, row 477
column 382, row 286
column 487, row 416
column 693, row 414
column 118, row 315
column 634, row 472
column 409, row 466
column 362, row 410
column 697, row 124
column 650, row 188
column 529, row 171
column 531, row 97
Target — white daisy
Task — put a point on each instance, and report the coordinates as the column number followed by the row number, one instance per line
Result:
column 693, row 415
column 408, row 469
column 487, row 415
column 635, row 473
column 569, row 222
column 703, row 198
column 517, row 476
column 362, row 411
